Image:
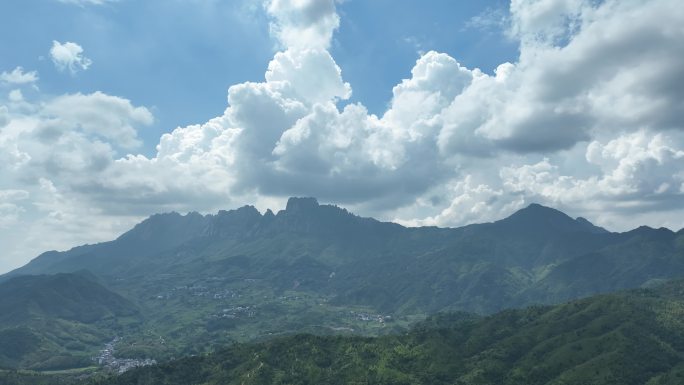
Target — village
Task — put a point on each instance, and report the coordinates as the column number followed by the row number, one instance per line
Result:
column 198, row 290
column 367, row 317
column 107, row 359
column 232, row 303
column 238, row 311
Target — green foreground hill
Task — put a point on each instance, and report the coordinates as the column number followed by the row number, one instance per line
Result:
column 634, row 337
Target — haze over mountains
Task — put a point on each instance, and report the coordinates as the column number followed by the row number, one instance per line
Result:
column 183, row 284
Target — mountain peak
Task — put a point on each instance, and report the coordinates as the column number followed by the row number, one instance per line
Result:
column 243, row 212
column 537, row 211
column 161, row 226
column 539, row 218
column 301, row 204
column 650, row 231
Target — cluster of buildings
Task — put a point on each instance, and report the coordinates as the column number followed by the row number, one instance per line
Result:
column 119, row 365
column 237, row 311
column 366, row 317
column 199, row 291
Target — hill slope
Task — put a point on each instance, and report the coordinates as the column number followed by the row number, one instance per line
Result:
column 627, row 338
column 58, row 321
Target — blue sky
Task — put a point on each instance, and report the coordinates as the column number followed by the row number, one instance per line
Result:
column 420, row 112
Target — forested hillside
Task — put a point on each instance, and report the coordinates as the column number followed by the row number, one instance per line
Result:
column 635, row 337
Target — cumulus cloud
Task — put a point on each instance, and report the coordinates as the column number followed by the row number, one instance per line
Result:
column 18, row 76
column 10, row 207
column 109, row 117
column 286, row 136
column 609, row 75
column 73, row 136
column 69, row 56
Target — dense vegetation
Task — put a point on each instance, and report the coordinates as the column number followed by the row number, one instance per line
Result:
column 14, row 377
column 627, row 338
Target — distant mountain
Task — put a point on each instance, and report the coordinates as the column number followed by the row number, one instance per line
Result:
column 537, row 255
column 627, row 338
column 55, row 321
column 202, row 280
column 544, row 221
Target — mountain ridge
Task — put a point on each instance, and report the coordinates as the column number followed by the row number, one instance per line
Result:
column 520, row 259
column 230, row 222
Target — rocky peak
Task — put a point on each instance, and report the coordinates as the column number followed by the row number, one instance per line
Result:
column 301, row 204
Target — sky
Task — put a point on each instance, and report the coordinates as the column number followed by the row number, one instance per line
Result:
column 430, row 112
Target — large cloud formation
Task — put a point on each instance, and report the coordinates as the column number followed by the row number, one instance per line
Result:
column 588, row 119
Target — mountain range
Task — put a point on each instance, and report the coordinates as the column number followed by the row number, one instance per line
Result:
column 200, row 281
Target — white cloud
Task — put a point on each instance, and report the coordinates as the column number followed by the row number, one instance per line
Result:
column 4, row 116
column 18, row 76
column 87, row 2
column 69, row 56
column 491, row 19
column 72, row 136
column 16, row 96
column 546, row 21
column 108, row 117
column 436, row 79
column 303, row 23
column 10, row 207
column 293, row 71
